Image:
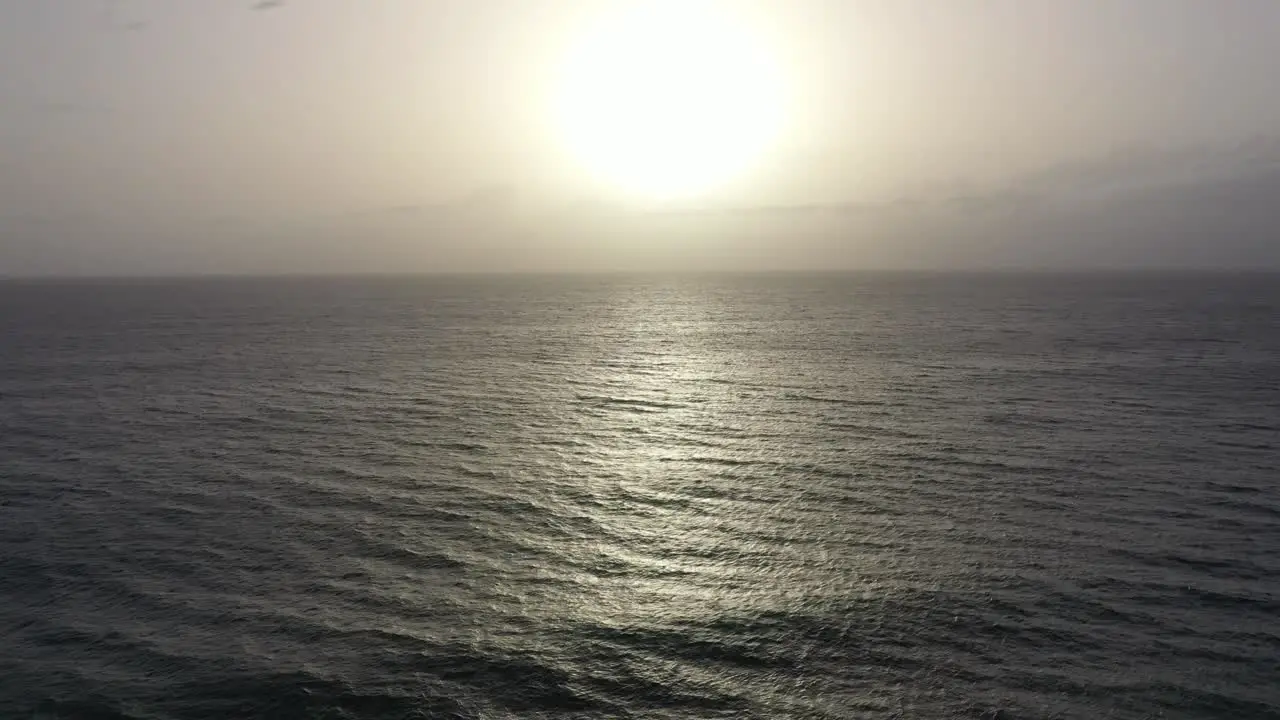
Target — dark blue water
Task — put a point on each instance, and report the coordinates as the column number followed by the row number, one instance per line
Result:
column 892, row 496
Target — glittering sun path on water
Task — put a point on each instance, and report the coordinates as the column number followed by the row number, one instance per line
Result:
column 601, row 497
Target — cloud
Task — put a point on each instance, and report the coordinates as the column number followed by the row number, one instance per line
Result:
column 112, row 20
column 1207, row 208
column 28, row 116
column 490, row 201
column 64, row 108
column 1198, row 207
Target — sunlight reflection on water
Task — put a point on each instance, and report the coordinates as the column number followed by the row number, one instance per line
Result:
column 811, row 497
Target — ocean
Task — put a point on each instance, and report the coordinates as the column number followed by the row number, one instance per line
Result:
column 985, row 496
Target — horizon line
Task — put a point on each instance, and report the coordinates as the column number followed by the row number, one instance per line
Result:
column 365, row 274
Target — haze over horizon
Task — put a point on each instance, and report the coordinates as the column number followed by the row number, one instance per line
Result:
column 142, row 137
column 596, row 359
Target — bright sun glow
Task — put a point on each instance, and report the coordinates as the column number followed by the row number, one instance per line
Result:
column 669, row 99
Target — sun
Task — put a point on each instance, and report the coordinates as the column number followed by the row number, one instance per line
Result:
column 668, row 99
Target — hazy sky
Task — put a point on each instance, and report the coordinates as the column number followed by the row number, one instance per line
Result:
column 158, row 136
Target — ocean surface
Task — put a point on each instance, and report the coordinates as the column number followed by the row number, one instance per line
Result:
column 781, row 496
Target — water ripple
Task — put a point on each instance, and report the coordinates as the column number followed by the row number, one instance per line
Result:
column 769, row 497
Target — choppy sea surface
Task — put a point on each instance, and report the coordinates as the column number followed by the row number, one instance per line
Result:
column 775, row 496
